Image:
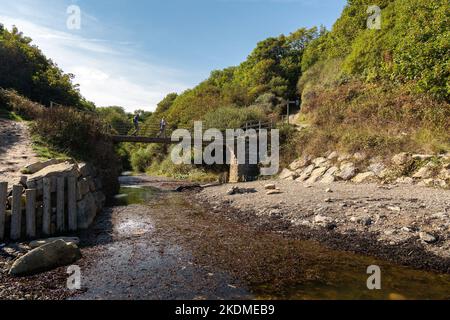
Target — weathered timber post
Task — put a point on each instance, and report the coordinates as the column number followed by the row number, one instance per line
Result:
column 31, row 212
column 60, row 198
column 72, row 203
column 16, row 212
column 3, row 195
column 47, row 214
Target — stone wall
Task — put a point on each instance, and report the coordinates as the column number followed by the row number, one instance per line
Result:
column 90, row 198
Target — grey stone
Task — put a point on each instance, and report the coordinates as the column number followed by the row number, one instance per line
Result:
column 100, row 199
column 273, row 192
column 83, row 187
column 306, row 173
column 288, row 174
column 377, row 168
column 347, row 172
column 86, row 211
column 363, row 177
column 329, row 176
column 321, row 162
column 300, row 163
column 39, row 243
column 317, row 174
column 46, row 257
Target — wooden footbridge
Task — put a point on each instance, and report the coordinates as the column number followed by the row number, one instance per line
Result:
column 149, row 133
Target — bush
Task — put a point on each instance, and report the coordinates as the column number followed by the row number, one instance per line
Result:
column 27, row 109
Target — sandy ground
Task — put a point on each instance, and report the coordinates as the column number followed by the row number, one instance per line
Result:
column 15, row 150
column 390, row 222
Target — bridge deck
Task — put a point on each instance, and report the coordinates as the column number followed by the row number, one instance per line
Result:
column 138, row 139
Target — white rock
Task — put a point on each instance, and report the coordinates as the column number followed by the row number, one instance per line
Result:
column 287, row 174
column 363, row 177
column 306, row 173
column 347, row 172
column 317, row 174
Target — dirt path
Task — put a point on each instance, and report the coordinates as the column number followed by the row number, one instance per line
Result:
column 15, row 150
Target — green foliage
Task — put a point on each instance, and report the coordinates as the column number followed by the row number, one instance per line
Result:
column 24, row 68
column 233, row 117
column 142, row 158
column 116, row 117
column 413, row 44
column 272, row 69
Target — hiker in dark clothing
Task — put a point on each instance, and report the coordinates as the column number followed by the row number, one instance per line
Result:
column 136, row 124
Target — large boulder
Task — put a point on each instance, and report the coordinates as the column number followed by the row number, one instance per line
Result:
column 317, row 174
column 329, row 176
column 348, row 171
column 364, row 177
column 47, row 257
column 287, row 174
column 321, row 162
column 305, row 173
column 300, row 163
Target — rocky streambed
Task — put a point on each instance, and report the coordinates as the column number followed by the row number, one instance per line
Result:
column 156, row 243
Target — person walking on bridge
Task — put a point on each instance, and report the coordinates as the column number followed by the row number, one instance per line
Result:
column 162, row 128
column 136, row 124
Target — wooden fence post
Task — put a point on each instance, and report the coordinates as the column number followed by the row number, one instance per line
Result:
column 31, row 212
column 16, row 212
column 72, row 203
column 3, row 195
column 47, row 214
column 60, row 202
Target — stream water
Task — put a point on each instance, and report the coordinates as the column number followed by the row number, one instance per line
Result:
column 246, row 263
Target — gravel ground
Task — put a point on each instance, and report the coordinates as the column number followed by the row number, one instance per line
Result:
column 401, row 223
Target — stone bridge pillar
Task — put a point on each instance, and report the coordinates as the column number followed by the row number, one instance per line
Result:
column 242, row 172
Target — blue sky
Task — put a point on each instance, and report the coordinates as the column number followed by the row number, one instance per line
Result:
column 132, row 53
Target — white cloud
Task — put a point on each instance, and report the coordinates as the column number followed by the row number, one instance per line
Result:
column 108, row 73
